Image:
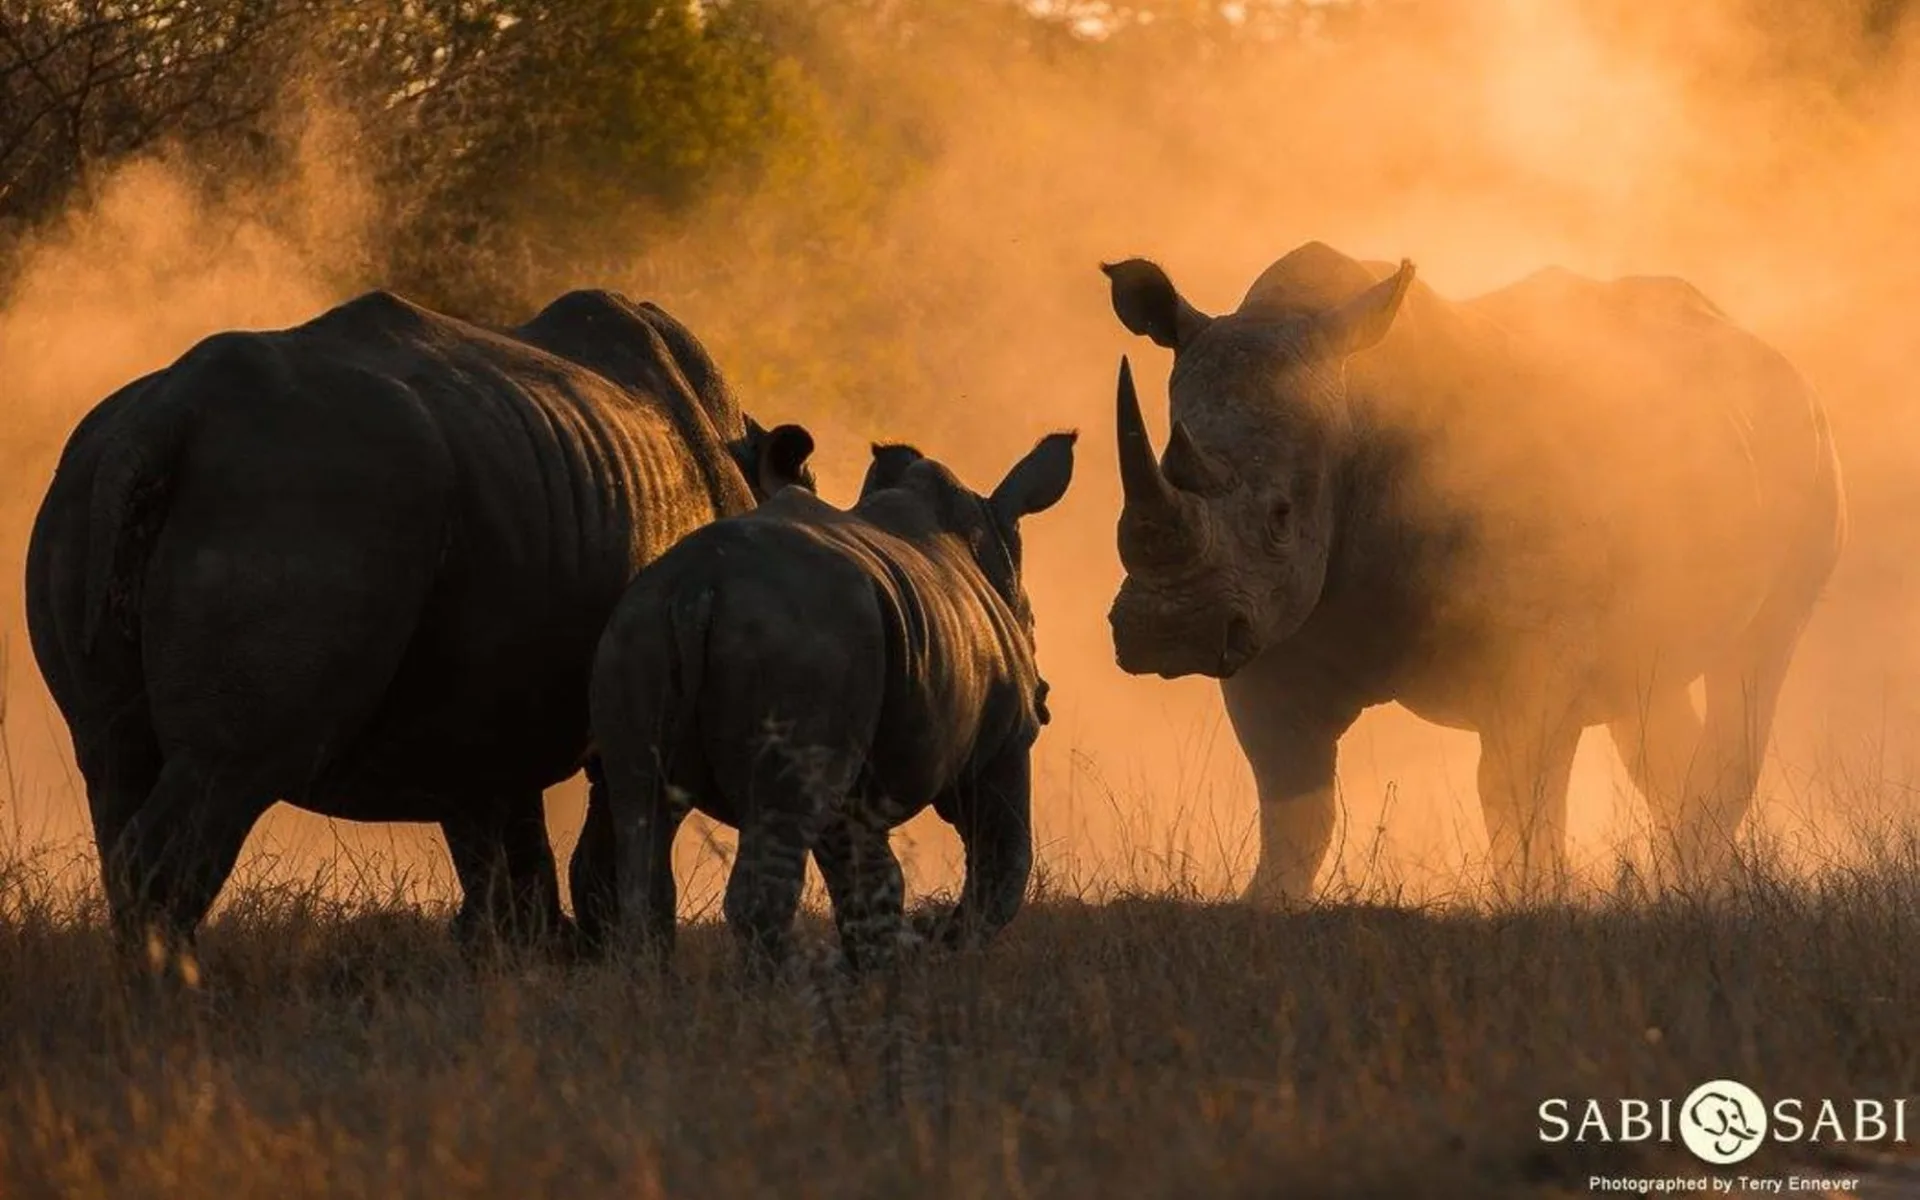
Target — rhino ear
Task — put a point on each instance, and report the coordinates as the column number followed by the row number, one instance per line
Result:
column 1145, row 301
column 784, row 451
column 890, row 462
column 1365, row 319
column 1038, row 481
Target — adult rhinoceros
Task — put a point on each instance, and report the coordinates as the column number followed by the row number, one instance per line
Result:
column 1549, row 507
column 361, row 565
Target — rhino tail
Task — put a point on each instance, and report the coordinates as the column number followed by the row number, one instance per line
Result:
column 124, row 511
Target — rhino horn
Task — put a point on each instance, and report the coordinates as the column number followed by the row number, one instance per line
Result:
column 1146, row 488
column 1153, row 524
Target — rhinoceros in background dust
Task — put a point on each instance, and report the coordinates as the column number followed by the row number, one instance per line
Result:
column 361, row 565
column 1549, row 507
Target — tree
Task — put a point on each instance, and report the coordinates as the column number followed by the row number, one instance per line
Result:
column 88, row 81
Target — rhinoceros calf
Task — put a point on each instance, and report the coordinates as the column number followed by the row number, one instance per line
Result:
column 815, row 677
column 1552, row 506
column 361, row 565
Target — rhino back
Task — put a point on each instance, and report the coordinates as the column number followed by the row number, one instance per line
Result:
column 942, row 672
column 961, row 678
column 565, row 483
column 1612, row 465
column 496, row 496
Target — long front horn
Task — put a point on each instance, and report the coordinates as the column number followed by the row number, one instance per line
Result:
column 1140, row 473
column 1156, row 532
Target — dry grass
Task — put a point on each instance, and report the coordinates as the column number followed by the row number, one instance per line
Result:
column 1143, row 1046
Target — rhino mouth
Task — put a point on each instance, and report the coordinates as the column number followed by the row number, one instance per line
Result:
column 1218, row 657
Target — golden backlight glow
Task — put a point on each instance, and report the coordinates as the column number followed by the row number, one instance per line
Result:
column 1775, row 168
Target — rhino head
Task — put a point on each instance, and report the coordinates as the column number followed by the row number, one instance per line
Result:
column 1226, row 536
column 989, row 526
column 771, row 459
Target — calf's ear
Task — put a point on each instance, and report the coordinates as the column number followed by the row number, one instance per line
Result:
column 784, row 451
column 1037, row 481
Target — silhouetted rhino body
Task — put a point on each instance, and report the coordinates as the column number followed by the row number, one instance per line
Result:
column 361, row 565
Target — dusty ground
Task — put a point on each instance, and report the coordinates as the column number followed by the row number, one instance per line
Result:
column 1148, row 1046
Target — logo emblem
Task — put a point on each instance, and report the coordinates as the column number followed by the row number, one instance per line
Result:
column 1723, row 1121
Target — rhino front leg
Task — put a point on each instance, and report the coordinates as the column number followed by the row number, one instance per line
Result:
column 1290, row 730
column 995, row 820
column 505, row 865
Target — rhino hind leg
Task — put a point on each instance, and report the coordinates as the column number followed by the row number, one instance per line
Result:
column 1742, row 697
column 1699, row 776
column 120, row 765
column 590, row 872
column 783, row 792
column 175, row 852
column 1659, row 744
column 631, row 891
column 510, row 884
column 245, row 700
column 763, row 890
column 1525, row 768
column 866, row 886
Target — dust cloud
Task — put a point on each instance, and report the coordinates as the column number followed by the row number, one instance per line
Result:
column 1762, row 151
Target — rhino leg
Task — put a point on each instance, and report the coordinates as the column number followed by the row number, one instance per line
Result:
column 1742, row 697
column 507, row 874
column 1290, row 729
column 175, row 852
column 1659, row 746
column 763, row 890
column 590, row 872
column 258, row 664
column 1526, row 765
column 594, row 871
column 1699, row 777
column 784, row 794
column 869, row 893
column 995, row 820
column 645, row 896
column 120, row 769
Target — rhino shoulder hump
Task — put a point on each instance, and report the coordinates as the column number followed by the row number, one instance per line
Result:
column 378, row 311
column 587, row 307
column 1667, row 296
